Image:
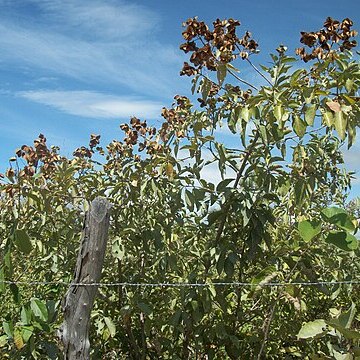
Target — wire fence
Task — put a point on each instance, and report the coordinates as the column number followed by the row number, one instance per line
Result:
column 184, row 284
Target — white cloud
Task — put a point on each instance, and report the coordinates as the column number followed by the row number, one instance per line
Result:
column 107, row 20
column 95, row 105
column 95, row 42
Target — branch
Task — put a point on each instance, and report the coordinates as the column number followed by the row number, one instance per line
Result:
column 259, row 72
column 267, row 321
column 241, row 80
column 237, row 180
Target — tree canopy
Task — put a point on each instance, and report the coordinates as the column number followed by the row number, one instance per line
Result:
column 260, row 229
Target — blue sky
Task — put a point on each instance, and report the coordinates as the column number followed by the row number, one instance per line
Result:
column 69, row 68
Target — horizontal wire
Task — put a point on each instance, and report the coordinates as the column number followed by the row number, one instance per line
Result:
column 175, row 285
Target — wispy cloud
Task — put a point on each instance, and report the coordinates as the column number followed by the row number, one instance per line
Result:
column 99, row 20
column 94, row 104
column 102, row 42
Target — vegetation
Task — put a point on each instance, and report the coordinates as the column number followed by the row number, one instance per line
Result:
column 275, row 216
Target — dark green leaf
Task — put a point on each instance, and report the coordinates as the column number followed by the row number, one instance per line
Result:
column 2, row 279
column 22, row 241
column 223, row 184
column 229, row 267
column 39, row 309
column 342, row 240
column 339, row 217
column 145, row 308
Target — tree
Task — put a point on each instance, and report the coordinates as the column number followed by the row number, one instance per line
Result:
column 276, row 216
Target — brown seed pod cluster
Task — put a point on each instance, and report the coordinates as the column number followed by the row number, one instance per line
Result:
column 138, row 137
column 87, row 152
column 322, row 42
column 33, row 156
column 209, row 48
column 175, row 118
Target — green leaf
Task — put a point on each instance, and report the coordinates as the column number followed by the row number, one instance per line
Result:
column 189, row 199
column 220, row 263
column 26, row 332
column 175, row 318
column 110, row 325
column 214, row 216
column 221, row 73
column 22, row 241
column 25, row 315
column 338, row 217
column 8, row 328
column 145, row 308
column 39, row 309
column 342, row 240
column 223, row 184
column 300, row 191
column 245, row 114
column 278, row 112
column 347, row 333
column 340, row 124
column 310, row 112
column 229, row 266
column 3, row 340
column 312, row 329
column 349, row 84
column 2, row 279
column 346, row 318
column 206, row 86
column 299, row 126
column 264, row 276
column 309, row 229
column 328, row 118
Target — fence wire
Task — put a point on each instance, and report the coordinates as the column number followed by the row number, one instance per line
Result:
column 184, row 284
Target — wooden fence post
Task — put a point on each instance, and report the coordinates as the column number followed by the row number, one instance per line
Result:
column 78, row 301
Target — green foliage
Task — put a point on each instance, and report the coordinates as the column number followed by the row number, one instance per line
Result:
column 271, row 210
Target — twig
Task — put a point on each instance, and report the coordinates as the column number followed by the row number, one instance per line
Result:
column 241, row 80
column 237, row 180
column 267, row 321
column 259, row 72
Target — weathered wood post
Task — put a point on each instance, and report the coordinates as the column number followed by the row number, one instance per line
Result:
column 79, row 299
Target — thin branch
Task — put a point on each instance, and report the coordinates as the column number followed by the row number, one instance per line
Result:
column 259, row 72
column 242, row 80
column 237, row 180
column 268, row 320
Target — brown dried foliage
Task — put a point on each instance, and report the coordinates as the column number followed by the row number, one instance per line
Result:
column 210, row 48
column 322, row 42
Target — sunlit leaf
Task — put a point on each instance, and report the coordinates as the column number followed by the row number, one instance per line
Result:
column 309, row 229
column 340, row 123
column 312, row 329
column 310, row 112
column 299, row 126
column 110, row 325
